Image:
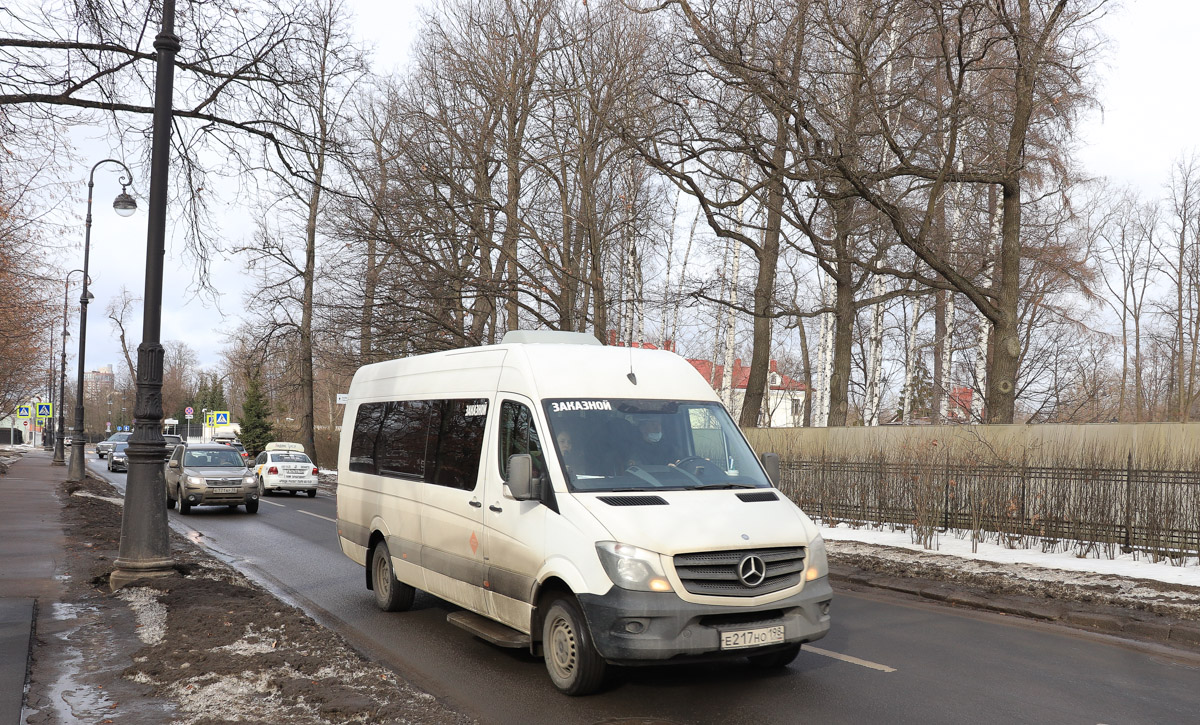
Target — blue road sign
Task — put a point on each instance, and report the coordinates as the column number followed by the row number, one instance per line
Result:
column 221, row 417
column 45, row 410
column 23, row 411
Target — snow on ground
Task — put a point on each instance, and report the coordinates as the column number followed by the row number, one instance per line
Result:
column 1137, row 565
column 151, row 614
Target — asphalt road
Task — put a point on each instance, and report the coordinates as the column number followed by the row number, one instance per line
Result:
column 886, row 660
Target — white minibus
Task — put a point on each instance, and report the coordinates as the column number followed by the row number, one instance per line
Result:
column 596, row 505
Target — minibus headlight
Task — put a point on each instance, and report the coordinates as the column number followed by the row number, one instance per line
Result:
column 818, row 564
column 632, row 568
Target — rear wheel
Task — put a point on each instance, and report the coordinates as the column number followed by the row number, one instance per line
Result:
column 312, row 493
column 575, row 667
column 251, row 506
column 391, row 595
column 777, row 659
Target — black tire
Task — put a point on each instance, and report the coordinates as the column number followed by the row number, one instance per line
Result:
column 170, row 499
column 312, row 493
column 775, row 660
column 391, row 595
column 251, row 506
column 574, row 665
column 185, row 508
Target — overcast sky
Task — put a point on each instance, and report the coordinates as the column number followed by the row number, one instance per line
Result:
column 1148, row 119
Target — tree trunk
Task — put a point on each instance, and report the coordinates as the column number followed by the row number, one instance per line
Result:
column 764, row 286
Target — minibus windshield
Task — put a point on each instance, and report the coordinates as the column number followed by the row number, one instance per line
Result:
column 614, row 444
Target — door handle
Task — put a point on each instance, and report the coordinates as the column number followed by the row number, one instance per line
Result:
column 475, row 503
column 495, row 508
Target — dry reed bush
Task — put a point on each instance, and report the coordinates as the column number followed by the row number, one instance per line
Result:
column 1060, row 494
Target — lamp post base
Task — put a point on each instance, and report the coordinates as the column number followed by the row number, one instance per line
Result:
column 128, row 572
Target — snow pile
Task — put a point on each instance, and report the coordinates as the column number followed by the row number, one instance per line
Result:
column 1136, row 565
column 151, row 614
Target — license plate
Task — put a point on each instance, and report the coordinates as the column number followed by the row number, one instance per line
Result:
column 225, row 490
column 751, row 637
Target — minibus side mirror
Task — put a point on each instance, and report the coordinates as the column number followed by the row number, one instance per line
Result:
column 520, row 477
column 770, row 461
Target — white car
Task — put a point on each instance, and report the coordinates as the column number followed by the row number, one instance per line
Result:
column 286, row 470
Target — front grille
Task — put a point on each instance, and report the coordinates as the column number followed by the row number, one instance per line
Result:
column 224, row 482
column 715, row 573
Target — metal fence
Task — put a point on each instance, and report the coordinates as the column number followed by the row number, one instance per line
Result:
column 1098, row 510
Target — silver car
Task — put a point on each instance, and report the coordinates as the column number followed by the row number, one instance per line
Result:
column 209, row 474
column 105, row 446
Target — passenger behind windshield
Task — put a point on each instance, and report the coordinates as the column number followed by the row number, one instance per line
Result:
column 626, row 444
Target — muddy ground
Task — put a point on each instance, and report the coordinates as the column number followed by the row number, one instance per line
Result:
column 204, row 646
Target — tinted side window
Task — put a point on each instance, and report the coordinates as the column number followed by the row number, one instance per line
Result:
column 457, row 444
column 366, row 434
column 518, row 434
column 403, row 439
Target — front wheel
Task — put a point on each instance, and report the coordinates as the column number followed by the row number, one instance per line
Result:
column 251, row 506
column 185, row 508
column 575, row 667
column 777, row 659
column 391, row 595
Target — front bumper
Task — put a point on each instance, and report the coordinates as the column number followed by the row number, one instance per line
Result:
column 206, row 496
column 119, row 464
column 668, row 627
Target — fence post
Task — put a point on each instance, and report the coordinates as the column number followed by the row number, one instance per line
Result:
column 1127, row 548
column 946, row 496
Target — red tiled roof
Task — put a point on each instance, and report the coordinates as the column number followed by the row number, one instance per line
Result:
column 741, row 375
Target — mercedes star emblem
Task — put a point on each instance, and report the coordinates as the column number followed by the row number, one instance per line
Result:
column 752, row 571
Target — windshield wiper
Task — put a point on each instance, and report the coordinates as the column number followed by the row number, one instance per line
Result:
column 726, row 485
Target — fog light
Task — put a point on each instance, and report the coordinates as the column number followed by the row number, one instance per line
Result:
column 825, row 608
column 191, row 499
column 635, row 626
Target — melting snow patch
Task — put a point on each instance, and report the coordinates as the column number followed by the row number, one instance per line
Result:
column 110, row 499
column 254, row 642
column 151, row 614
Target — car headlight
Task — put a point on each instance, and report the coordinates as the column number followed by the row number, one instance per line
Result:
column 818, row 563
column 632, row 568
column 248, row 479
column 195, row 480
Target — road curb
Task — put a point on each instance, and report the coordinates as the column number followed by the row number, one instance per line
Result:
column 1132, row 624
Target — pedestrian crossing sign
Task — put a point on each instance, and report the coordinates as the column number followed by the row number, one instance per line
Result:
column 220, row 417
column 208, row 419
column 44, row 410
column 23, row 411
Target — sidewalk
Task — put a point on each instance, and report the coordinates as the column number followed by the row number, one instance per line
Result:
column 31, row 545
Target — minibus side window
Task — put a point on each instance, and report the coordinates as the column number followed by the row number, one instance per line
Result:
column 366, row 436
column 458, row 444
column 403, row 438
column 518, row 434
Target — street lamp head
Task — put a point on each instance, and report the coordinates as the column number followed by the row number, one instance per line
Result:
column 124, row 204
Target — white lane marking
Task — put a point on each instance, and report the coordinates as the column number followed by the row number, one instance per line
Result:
column 317, row 516
column 848, row 658
column 271, row 502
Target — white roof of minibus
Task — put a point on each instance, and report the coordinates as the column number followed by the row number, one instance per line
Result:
column 539, row 370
